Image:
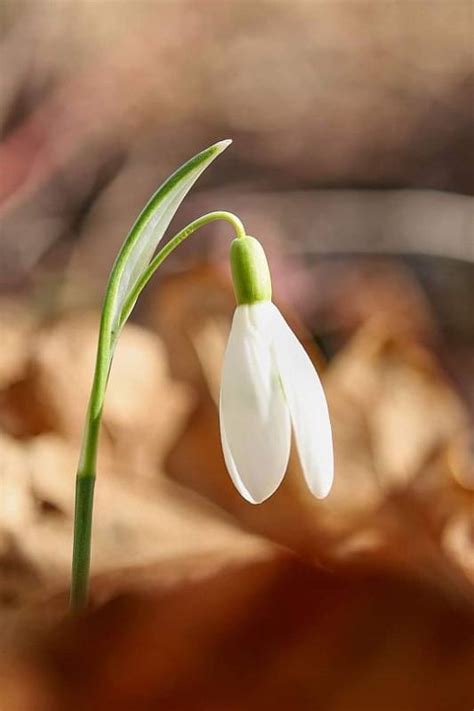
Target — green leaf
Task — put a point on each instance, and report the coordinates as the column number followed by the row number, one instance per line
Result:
column 148, row 229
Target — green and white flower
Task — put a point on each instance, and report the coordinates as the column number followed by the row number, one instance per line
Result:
column 269, row 389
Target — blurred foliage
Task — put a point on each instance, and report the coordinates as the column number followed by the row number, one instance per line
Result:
column 392, row 541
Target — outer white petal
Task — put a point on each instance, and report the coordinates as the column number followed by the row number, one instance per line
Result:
column 254, row 418
column 308, row 408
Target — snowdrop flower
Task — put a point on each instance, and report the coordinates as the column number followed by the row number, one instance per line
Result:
column 269, row 388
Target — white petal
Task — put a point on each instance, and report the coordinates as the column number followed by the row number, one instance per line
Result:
column 254, row 418
column 308, row 408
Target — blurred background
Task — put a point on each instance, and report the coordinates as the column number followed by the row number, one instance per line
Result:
column 353, row 163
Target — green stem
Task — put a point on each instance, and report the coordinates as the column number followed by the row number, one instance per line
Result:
column 82, row 541
column 169, row 247
column 86, row 473
column 85, row 478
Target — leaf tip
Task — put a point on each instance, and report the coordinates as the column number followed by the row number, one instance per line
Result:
column 222, row 145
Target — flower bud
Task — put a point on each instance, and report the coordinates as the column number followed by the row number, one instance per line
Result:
column 250, row 272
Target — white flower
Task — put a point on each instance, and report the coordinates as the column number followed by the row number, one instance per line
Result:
column 269, row 388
